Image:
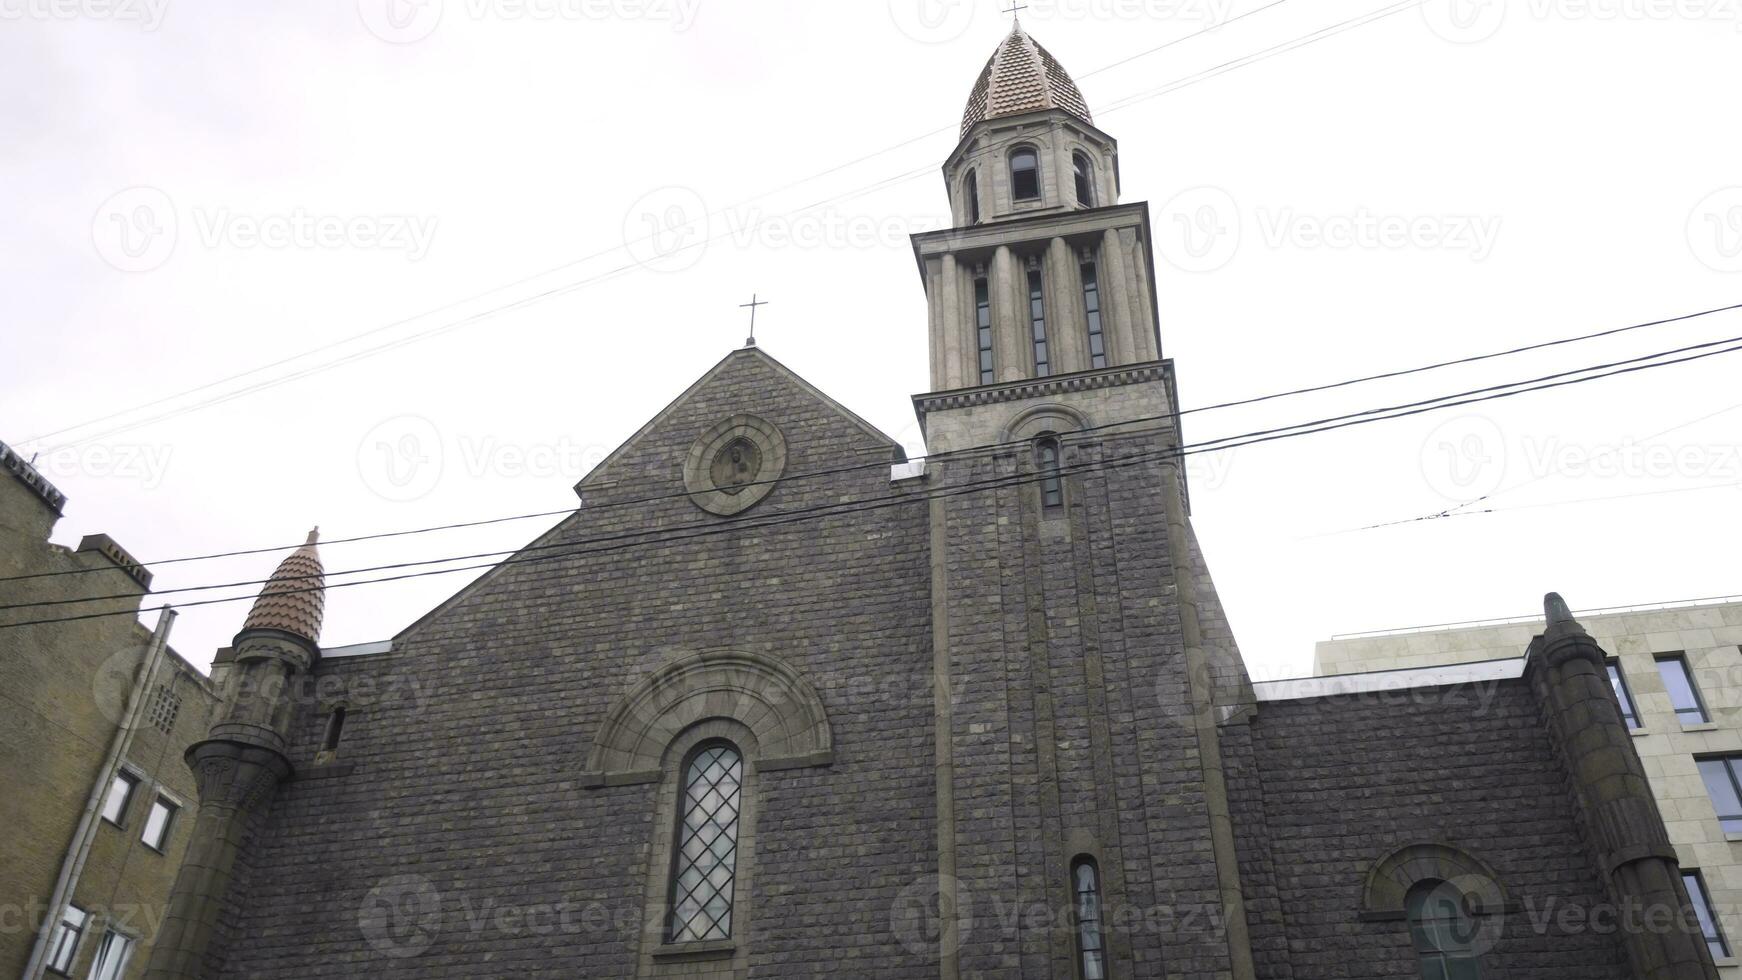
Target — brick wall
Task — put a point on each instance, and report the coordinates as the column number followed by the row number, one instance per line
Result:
column 466, row 740
column 1339, row 783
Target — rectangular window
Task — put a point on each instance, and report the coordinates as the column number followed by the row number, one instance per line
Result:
column 1683, row 696
column 65, row 945
column 112, row 957
column 1037, row 321
column 983, row 324
column 120, row 794
column 1707, row 916
column 1623, row 697
column 1092, row 309
column 1723, row 778
column 158, row 823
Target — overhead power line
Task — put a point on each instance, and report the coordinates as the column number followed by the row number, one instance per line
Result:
column 964, row 451
column 638, row 538
column 1183, row 82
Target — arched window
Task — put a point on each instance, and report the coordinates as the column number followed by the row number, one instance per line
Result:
column 1024, row 173
column 1046, row 451
column 971, row 197
column 1443, row 931
column 1085, row 174
column 1086, row 889
column 705, row 862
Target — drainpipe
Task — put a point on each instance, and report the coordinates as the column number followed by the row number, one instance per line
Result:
column 74, row 862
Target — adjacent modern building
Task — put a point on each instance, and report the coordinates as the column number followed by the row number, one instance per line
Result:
column 775, row 701
column 96, row 715
column 1676, row 670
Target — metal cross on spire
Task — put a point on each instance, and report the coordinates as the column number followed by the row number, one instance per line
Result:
column 1013, row 8
column 750, row 341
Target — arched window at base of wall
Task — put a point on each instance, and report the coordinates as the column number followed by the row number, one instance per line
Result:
column 1086, row 912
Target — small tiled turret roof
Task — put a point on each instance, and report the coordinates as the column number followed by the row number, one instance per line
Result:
column 1021, row 76
column 293, row 598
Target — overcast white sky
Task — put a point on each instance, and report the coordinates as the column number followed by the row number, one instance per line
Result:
column 1560, row 167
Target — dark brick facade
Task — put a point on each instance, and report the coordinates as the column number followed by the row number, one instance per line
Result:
column 1336, row 784
column 453, row 832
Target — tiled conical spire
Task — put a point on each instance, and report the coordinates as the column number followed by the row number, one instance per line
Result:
column 293, row 598
column 1021, row 76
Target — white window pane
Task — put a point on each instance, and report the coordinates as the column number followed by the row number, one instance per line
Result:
column 120, row 791
column 112, row 957
column 157, row 824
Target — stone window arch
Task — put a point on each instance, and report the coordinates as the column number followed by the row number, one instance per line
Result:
column 1385, row 892
column 1452, row 902
column 760, row 692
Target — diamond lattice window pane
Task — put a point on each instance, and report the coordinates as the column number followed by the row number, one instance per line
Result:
column 701, row 886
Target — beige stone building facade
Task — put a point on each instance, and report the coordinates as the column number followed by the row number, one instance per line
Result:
column 98, row 802
column 1689, row 735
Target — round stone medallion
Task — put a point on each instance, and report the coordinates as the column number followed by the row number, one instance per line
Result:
column 734, row 464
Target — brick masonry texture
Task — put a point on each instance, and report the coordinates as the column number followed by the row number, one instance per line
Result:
column 465, row 750
column 1338, row 783
column 452, row 835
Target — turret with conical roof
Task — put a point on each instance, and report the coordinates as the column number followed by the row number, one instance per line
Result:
column 245, row 756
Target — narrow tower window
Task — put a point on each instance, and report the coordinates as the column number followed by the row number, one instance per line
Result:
column 1092, row 313
column 706, row 864
column 1442, row 931
column 1037, row 320
column 1024, row 174
column 1052, row 491
column 1085, row 174
column 1086, row 886
column 983, row 326
column 971, row 197
column 330, row 739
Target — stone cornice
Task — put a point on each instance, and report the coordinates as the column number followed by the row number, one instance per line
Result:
column 1028, row 388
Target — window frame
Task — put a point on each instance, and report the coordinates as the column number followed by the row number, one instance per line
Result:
column 1624, row 696
column 1706, row 914
column 1687, row 673
column 59, row 964
column 1033, row 153
column 172, row 809
column 1426, row 947
column 971, row 195
column 671, row 933
column 1040, row 350
column 133, row 781
column 1048, row 462
column 983, row 330
column 1089, row 274
column 110, row 937
column 1083, row 177
column 1731, row 764
column 1081, row 930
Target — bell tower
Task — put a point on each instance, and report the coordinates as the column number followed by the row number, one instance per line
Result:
column 1044, row 273
column 1085, row 678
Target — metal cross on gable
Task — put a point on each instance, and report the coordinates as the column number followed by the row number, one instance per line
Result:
column 750, row 341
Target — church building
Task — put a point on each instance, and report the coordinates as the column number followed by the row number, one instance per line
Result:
column 777, row 702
